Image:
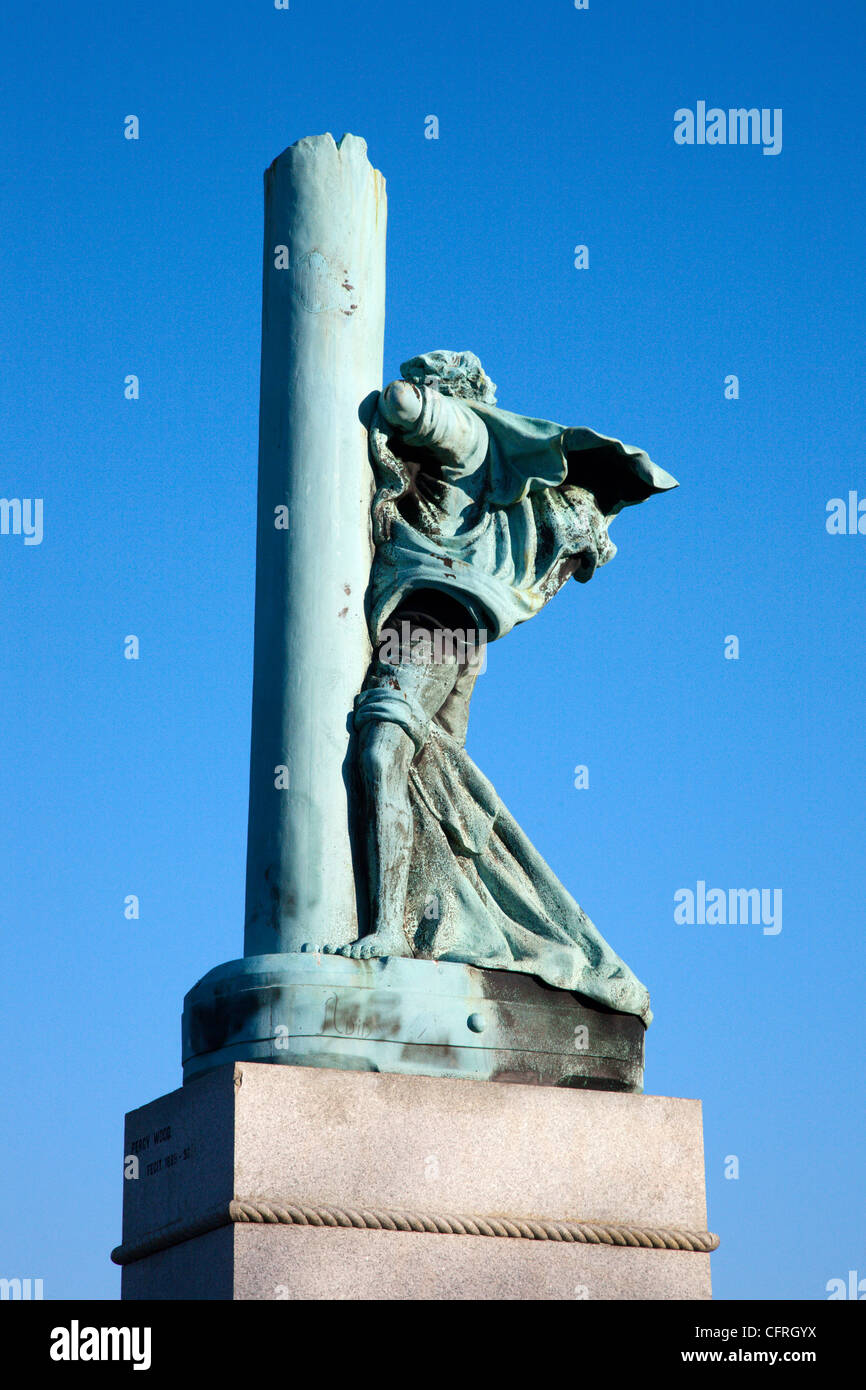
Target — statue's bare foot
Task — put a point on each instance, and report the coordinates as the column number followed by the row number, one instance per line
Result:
column 378, row 944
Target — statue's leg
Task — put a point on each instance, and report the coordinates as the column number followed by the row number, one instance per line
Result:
column 454, row 713
column 385, row 753
column 392, row 716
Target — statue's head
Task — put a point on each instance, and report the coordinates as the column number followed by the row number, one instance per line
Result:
column 452, row 373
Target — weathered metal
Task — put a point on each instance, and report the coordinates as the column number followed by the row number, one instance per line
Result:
column 450, row 948
column 429, row 1018
column 323, row 317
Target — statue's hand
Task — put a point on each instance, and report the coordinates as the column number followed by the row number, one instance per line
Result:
column 401, row 404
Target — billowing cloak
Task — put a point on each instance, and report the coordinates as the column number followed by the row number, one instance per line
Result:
column 503, row 567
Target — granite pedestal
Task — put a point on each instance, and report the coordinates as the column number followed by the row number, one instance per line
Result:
column 270, row 1182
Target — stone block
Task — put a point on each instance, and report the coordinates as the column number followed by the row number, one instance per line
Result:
column 258, row 1141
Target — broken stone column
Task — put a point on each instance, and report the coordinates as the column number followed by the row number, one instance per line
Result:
column 323, row 319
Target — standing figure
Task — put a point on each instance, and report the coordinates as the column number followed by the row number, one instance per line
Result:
column 479, row 518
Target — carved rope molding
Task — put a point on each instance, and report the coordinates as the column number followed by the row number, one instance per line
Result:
column 265, row 1211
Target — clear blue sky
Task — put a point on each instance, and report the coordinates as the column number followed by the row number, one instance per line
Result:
column 119, row 777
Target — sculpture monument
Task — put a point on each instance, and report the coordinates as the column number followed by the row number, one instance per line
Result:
column 407, row 950
column 374, row 840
